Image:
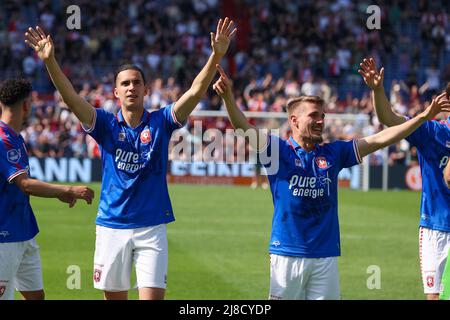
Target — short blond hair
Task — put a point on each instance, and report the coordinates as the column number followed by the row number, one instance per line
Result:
column 293, row 103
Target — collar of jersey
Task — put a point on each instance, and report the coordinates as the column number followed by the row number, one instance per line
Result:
column 144, row 119
column 9, row 129
column 296, row 147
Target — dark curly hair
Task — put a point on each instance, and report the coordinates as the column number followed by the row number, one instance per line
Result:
column 14, row 90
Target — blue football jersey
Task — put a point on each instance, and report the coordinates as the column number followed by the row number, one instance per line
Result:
column 134, row 189
column 17, row 220
column 432, row 140
column 304, row 192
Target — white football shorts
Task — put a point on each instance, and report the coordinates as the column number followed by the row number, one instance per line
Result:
column 294, row 278
column 117, row 249
column 433, row 249
column 20, row 268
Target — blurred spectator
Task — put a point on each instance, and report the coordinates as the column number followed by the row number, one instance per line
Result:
column 273, row 58
column 397, row 154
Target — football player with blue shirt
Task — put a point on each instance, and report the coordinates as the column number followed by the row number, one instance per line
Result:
column 134, row 202
column 432, row 141
column 20, row 262
column 303, row 176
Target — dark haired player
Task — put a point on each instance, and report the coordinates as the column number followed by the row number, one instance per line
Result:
column 134, row 202
column 20, row 262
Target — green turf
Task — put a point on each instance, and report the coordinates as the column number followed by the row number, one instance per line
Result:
column 218, row 244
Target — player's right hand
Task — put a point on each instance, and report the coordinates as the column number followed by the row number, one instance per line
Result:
column 77, row 192
column 371, row 76
column 223, row 86
column 41, row 43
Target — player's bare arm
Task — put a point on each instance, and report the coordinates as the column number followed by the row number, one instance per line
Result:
column 374, row 80
column 447, row 174
column 396, row 133
column 43, row 45
column 224, row 89
column 220, row 42
column 67, row 194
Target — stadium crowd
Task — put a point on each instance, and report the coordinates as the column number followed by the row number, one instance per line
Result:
column 283, row 48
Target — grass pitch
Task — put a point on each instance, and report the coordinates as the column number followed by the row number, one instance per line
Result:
column 218, row 245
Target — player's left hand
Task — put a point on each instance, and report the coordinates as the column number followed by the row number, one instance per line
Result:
column 221, row 39
column 438, row 105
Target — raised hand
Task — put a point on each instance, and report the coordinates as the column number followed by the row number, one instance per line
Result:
column 41, row 43
column 77, row 192
column 221, row 39
column 223, row 85
column 438, row 105
column 371, row 76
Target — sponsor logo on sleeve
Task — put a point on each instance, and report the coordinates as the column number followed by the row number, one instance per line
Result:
column 13, row 155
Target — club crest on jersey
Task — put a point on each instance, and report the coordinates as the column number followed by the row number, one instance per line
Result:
column 122, row 136
column 322, row 162
column 13, row 155
column 146, row 137
column 447, row 144
column 298, row 163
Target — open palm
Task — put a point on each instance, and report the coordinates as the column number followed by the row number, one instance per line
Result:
column 221, row 39
column 371, row 76
column 42, row 44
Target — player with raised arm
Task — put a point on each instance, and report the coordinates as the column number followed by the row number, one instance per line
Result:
column 134, row 203
column 432, row 141
column 305, row 240
column 20, row 262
